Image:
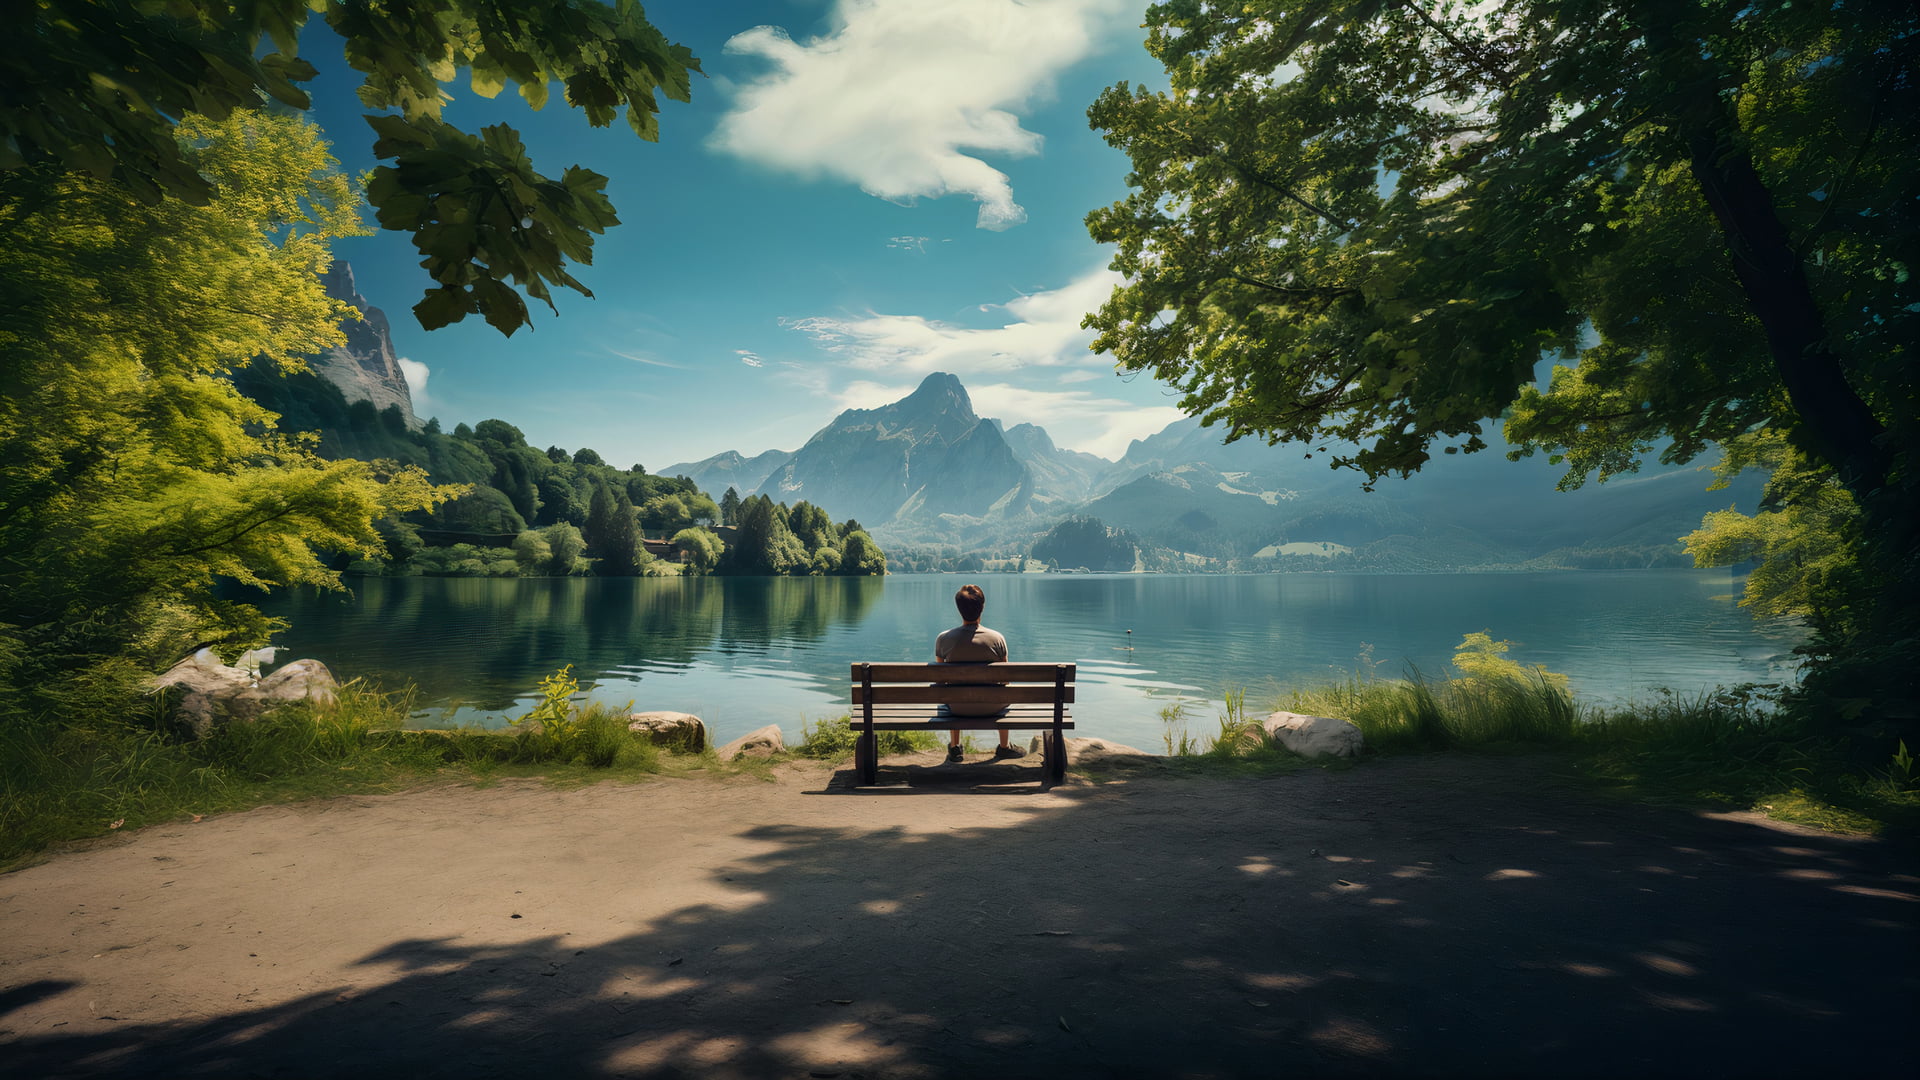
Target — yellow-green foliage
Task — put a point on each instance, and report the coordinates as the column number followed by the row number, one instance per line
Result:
column 135, row 473
column 1483, row 661
column 1805, row 549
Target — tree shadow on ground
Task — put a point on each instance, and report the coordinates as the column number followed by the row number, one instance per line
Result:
column 1428, row 931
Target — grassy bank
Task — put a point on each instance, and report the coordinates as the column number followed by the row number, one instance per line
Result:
column 1727, row 749
column 61, row 783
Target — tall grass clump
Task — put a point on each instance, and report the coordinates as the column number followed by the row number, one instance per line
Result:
column 1491, row 700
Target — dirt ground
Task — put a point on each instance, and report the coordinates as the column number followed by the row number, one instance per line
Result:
column 1444, row 915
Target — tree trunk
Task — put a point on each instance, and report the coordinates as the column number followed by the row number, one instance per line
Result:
column 1836, row 423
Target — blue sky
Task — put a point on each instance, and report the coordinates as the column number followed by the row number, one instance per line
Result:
column 862, row 191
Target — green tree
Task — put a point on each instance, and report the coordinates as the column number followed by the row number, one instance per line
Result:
column 133, row 474
column 566, row 550
column 100, row 89
column 612, row 536
column 517, row 467
column 702, row 510
column 702, row 549
column 559, row 499
column 1359, row 224
column 532, row 552
column 730, row 507
column 1083, row 541
column 860, row 555
column 665, row 515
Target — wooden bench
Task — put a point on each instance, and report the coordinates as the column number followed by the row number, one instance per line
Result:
column 907, row 697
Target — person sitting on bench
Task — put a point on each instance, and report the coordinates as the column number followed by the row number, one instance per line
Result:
column 971, row 643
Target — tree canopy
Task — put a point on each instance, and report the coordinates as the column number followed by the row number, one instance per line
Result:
column 1361, row 224
column 100, row 87
column 133, row 473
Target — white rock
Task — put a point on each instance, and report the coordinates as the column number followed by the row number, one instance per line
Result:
column 1090, row 751
column 301, row 680
column 214, row 693
column 765, row 742
column 1313, row 736
column 681, row 731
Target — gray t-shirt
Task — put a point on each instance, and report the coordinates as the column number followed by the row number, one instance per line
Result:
column 971, row 644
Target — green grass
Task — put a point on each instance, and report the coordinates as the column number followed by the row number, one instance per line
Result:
column 832, row 739
column 1727, row 749
column 74, row 782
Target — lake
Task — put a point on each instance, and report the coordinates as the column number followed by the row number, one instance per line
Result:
column 746, row 652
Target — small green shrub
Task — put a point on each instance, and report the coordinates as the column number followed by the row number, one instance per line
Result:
column 832, row 739
column 1173, row 719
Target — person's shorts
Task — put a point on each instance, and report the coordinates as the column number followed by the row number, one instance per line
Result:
column 973, row 710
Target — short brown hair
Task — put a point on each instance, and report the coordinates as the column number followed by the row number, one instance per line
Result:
column 971, row 601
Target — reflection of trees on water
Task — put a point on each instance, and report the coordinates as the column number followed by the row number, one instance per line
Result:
column 484, row 641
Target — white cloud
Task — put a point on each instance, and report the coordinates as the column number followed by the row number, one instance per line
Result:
column 416, row 374
column 749, row 358
column 1033, row 368
column 1044, row 332
column 862, row 394
column 1075, row 419
column 894, row 94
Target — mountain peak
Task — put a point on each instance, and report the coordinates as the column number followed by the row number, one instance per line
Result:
column 938, row 392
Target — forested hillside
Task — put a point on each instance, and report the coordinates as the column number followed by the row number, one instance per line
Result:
column 552, row 512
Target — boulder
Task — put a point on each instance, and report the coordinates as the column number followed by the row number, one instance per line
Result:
column 301, row 680
column 214, row 693
column 1313, row 736
column 1094, row 751
column 675, row 730
column 765, row 742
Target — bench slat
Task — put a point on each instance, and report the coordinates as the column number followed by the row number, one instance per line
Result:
column 964, row 673
column 925, row 722
column 956, row 694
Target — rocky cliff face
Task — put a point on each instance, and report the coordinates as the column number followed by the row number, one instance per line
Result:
column 925, row 455
column 365, row 368
column 1061, row 478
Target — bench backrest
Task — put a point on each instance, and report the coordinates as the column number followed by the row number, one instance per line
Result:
column 989, row 684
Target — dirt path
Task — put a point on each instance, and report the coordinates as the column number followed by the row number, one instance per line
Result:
column 1441, row 915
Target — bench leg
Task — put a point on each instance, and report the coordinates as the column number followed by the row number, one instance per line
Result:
column 1057, row 756
column 866, row 758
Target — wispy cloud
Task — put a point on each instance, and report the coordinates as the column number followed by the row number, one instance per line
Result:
column 908, row 243
column 643, row 358
column 749, row 358
column 1043, row 331
column 901, row 95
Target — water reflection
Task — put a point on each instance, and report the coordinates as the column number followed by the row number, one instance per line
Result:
column 745, row 652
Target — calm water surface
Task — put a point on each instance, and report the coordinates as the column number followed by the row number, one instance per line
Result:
column 746, row 652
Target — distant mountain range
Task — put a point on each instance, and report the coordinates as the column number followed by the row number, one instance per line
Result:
column 927, row 469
